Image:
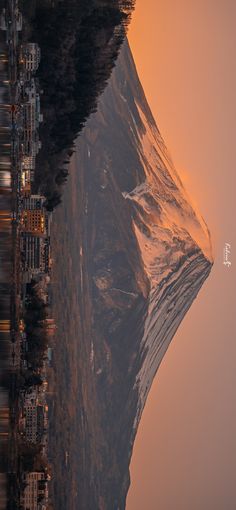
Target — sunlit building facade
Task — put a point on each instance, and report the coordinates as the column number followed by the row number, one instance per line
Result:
column 35, row 494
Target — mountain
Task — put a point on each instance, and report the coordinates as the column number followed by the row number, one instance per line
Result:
column 131, row 255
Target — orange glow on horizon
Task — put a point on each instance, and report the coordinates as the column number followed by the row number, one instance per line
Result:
column 185, row 56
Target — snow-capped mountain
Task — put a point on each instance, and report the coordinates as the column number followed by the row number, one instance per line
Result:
column 139, row 254
column 174, row 243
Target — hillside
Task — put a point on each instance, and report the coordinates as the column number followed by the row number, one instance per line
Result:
column 131, row 255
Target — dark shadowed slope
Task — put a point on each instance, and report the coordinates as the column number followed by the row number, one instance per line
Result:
column 130, row 257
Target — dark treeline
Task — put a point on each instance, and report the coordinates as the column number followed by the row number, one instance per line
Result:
column 36, row 311
column 31, row 457
column 80, row 42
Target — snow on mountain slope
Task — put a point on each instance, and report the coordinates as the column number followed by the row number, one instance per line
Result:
column 175, row 246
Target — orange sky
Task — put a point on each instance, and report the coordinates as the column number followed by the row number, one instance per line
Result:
column 185, row 453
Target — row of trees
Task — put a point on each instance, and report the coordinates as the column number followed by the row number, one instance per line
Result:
column 31, row 457
column 36, row 311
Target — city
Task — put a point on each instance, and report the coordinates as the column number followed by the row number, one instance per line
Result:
column 27, row 222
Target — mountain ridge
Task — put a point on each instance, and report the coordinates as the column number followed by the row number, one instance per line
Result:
column 139, row 255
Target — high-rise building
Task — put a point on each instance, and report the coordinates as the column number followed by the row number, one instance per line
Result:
column 34, row 422
column 36, row 489
column 34, row 202
column 33, row 221
column 31, row 56
column 33, row 217
column 35, row 253
column 28, row 162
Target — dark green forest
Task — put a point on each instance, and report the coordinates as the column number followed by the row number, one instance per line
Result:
column 80, row 42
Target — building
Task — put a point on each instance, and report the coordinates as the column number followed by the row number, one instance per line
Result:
column 25, row 183
column 32, row 118
column 30, row 397
column 47, row 255
column 31, row 56
column 32, row 97
column 33, row 217
column 31, row 142
column 50, row 356
column 34, row 422
column 50, row 326
column 28, row 163
column 35, row 494
column 4, row 21
column 27, row 168
column 31, row 252
column 35, row 237
column 33, row 221
column 31, row 114
column 34, row 202
column 35, row 254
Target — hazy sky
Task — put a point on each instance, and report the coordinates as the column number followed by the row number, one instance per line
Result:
column 185, row 451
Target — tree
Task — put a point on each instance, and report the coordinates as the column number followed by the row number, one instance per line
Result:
column 33, row 380
column 28, row 453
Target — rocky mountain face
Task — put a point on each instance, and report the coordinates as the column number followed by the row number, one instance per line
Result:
column 139, row 255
